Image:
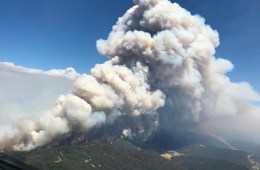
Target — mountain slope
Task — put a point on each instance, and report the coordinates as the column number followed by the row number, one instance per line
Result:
column 204, row 163
column 247, row 146
column 117, row 154
column 175, row 139
column 202, row 152
column 218, row 153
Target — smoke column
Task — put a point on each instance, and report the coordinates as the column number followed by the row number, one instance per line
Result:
column 161, row 73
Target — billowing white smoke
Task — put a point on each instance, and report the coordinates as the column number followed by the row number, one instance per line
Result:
column 161, row 56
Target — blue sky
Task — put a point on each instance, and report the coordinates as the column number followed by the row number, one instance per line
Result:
column 47, row 34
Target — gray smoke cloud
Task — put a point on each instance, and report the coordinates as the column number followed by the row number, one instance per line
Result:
column 161, row 73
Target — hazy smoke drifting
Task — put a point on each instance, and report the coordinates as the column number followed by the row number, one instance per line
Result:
column 161, row 57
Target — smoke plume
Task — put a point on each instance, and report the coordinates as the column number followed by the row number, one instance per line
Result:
column 161, row 73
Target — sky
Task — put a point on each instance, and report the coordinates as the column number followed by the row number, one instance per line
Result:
column 56, row 34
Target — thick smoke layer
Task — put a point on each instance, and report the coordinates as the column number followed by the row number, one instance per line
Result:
column 161, row 73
